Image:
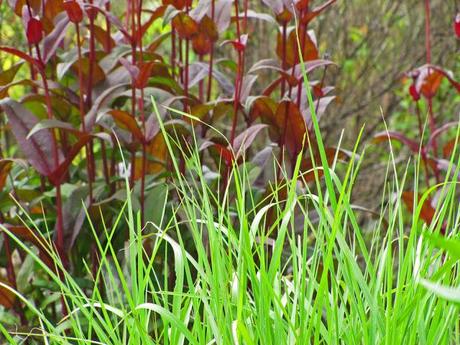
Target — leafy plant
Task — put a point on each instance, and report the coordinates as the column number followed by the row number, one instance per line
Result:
column 88, row 70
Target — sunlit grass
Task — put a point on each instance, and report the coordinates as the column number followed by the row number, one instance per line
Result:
column 311, row 275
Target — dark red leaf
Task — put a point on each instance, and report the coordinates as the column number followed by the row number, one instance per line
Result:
column 103, row 37
column 263, row 107
column 428, row 79
column 7, row 298
column 145, row 71
column 84, row 64
column 291, row 125
column 201, row 44
column 310, row 52
column 238, row 44
column 157, row 153
column 284, row 17
column 26, row 234
column 431, row 83
column 59, row 174
column 155, row 14
column 315, row 12
column 449, row 148
column 5, row 168
column 225, row 154
column 207, row 35
column 179, row 4
column 52, row 9
column 34, row 31
column 185, row 25
column 427, row 211
column 18, row 5
column 385, row 136
column 38, row 149
column 414, row 93
column 128, row 122
column 74, row 11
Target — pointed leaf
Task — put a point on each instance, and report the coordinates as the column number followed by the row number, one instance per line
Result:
column 127, row 121
column 427, row 211
column 390, row 135
column 245, row 139
column 310, row 52
column 7, row 298
column 5, row 168
column 185, row 26
column 38, row 149
column 291, row 126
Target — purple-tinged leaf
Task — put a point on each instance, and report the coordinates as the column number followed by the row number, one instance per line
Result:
column 102, row 101
column 246, row 87
column 320, row 108
column 38, row 149
column 222, row 14
column 441, row 130
column 111, row 18
column 390, row 135
column 275, row 5
column 23, row 56
column 54, row 39
column 260, row 16
column 50, row 124
column 245, row 139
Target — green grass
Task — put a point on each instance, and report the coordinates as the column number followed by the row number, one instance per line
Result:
column 312, row 275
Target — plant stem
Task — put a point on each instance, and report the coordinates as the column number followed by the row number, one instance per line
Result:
column 211, row 54
column 432, row 120
column 236, row 100
column 82, row 113
column 283, row 59
column 423, row 152
column 59, row 220
column 142, row 113
column 131, row 5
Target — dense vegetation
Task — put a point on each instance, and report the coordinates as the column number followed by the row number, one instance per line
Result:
column 162, row 183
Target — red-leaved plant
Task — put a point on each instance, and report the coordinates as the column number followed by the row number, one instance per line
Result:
column 92, row 75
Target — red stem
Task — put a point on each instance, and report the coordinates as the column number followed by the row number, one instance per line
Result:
column 432, row 120
column 133, row 86
column 211, row 56
column 141, row 109
column 173, row 52
column 237, row 79
column 82, row 113
column 283, row 58
column 108, row 28
column 186, row 72
column 423, row 154
column 59, row 220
